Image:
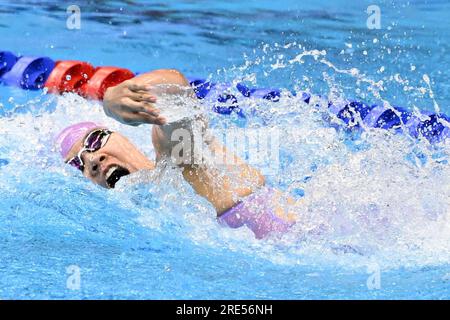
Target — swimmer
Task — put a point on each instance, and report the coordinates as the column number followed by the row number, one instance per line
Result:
column 236, row 190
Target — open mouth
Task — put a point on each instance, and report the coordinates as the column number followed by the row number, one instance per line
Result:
column 114, row 174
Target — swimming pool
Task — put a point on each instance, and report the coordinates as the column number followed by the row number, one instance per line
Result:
column 381, row 200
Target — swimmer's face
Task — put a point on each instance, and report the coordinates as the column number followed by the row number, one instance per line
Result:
column 117, row 158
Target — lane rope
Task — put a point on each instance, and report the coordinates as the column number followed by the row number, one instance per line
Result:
column 35, row 73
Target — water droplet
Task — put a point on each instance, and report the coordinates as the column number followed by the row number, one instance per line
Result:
column 354, row 71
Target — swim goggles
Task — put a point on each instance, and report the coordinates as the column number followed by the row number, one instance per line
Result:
column 93, row 142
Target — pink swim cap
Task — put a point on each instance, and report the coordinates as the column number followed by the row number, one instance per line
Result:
column 70, row 135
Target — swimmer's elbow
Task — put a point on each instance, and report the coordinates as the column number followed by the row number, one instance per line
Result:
column 261, row 179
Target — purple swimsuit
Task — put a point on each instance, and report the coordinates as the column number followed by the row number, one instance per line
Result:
column 257, row 213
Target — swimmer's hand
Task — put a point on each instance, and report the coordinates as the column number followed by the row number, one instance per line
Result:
column 131, row 103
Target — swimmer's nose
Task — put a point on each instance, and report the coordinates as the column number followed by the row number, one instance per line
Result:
column 95, row 163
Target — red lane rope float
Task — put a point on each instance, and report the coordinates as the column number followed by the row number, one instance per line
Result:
column 82, row 78
column 103, row 78
column 69, row 76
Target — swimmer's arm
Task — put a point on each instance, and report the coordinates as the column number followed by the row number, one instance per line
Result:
column 224, row 180
column 222, row 187
column 132, row 103
column 240, row 180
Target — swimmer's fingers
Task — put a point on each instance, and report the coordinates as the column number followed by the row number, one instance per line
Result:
column 138, row 87
column 141, row 96
column 159, row 120
column 138, row 118
column 135, row 113
column 149, row 108
column 130, row 105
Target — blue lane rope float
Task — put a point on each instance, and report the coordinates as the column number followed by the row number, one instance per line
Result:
column 31, row 73
column 267, row 94
column 7, row 61
column 375, row 116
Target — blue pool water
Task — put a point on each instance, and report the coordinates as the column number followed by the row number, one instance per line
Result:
column 381, row 201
